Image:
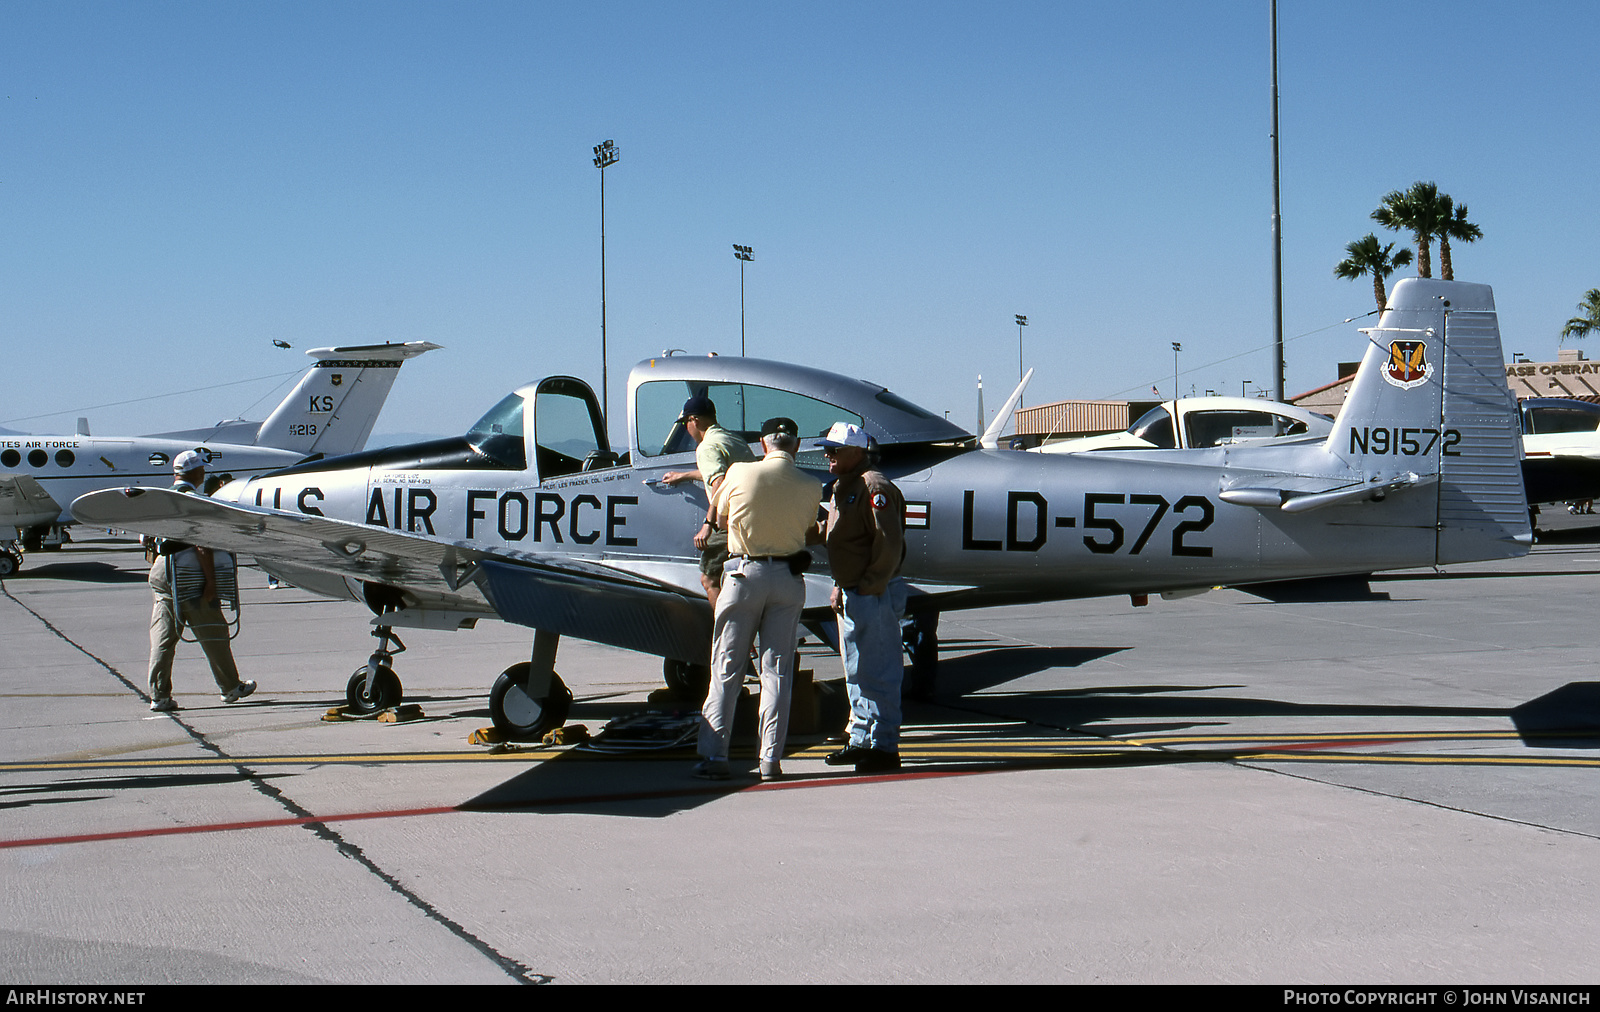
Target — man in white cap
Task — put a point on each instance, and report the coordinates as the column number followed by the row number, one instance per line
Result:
column 769, row 507
column 865, row 533
column 184, row 580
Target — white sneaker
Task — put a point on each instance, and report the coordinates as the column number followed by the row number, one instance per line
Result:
column 239, row 691
column 166, row 704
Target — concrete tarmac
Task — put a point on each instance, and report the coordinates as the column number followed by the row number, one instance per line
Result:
column 1398, row 788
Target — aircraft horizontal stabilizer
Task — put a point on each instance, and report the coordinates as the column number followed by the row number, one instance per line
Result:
column 1290, row 501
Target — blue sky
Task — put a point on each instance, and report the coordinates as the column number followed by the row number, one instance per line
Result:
column 182, row 183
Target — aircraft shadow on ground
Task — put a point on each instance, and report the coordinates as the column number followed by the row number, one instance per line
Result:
column 82, row 572
column 26, row 795
column 659, row 784
column 1568, row 535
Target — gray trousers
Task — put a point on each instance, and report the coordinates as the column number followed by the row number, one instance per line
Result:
column 210, row 628
column 761, row 601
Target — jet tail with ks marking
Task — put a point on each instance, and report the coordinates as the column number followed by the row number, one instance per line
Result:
column 332, row 409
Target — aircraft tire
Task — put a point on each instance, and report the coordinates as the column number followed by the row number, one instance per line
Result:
column 518, row 715
column 385, row 691
column 691, row 681
column 10, row 562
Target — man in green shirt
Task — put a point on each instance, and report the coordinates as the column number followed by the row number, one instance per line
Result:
column 716, row 449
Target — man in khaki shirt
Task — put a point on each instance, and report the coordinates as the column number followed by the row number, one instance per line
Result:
column 768, row 507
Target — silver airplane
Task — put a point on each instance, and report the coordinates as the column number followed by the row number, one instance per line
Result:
column 531, row 517
column 330, row 412
column 1561, row 449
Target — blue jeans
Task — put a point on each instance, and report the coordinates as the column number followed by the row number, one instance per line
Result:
column 869, row 645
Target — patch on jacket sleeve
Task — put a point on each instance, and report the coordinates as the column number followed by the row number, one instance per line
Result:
column 880, row 501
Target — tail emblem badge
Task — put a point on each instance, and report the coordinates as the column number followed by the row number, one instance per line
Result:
column 1408, row 364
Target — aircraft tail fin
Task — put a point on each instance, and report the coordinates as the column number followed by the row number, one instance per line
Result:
column 991, row 436
column 332, row 409
column 1430, row 405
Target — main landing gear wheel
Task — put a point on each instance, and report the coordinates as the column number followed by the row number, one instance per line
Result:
column 519, row 715
column 691, row 681
column 9, row 563
column 385, row 691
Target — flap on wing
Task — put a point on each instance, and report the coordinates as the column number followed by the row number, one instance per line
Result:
column 614, row 610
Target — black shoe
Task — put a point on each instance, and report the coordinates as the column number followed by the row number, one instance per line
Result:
column 848, row 756
column 875, row 760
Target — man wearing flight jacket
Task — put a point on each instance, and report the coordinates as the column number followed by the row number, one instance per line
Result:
column 865, row 533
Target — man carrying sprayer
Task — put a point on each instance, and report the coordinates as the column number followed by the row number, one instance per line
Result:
column 865, row 533
column 184, row 580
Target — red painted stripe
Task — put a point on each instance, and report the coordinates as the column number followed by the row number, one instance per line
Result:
column 217, row 827
column 1351, row 743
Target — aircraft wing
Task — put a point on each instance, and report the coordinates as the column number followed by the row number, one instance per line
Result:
column 1560, row 477
column 24, row 502
column 556, row 593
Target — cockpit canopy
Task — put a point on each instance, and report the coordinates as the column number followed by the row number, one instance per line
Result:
column 1544, row 415
column 749, row 391
column 564, row 432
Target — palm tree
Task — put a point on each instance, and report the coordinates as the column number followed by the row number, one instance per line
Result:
column 1580, row 326
column 1367, row 257
column 1420, row 211
column 1454, row 225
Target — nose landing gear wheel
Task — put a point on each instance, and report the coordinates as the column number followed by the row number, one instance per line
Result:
column 519, row 715
column 385, row 691
column 691, row 681
column 9, row 563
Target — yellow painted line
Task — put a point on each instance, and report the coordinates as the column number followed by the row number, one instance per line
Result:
column 1417, row 760
column 281, row 760
column 1197, row 739
column 1245, row 748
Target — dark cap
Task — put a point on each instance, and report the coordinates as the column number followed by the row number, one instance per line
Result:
column 779, row 426
column 699, row 406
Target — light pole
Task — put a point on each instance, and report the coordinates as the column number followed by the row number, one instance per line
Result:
column 1176, row 347
column 1022, row 321
column 744, row 254
column 1277, row 227
column 1243, row 384
column 605, row 154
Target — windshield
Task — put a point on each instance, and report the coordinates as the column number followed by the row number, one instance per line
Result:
column 498, row 434
column 741, row 408
column 1155, row 428
column 1567, row 418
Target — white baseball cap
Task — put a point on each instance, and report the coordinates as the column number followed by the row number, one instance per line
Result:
column 187, row 461
column 843, row 434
